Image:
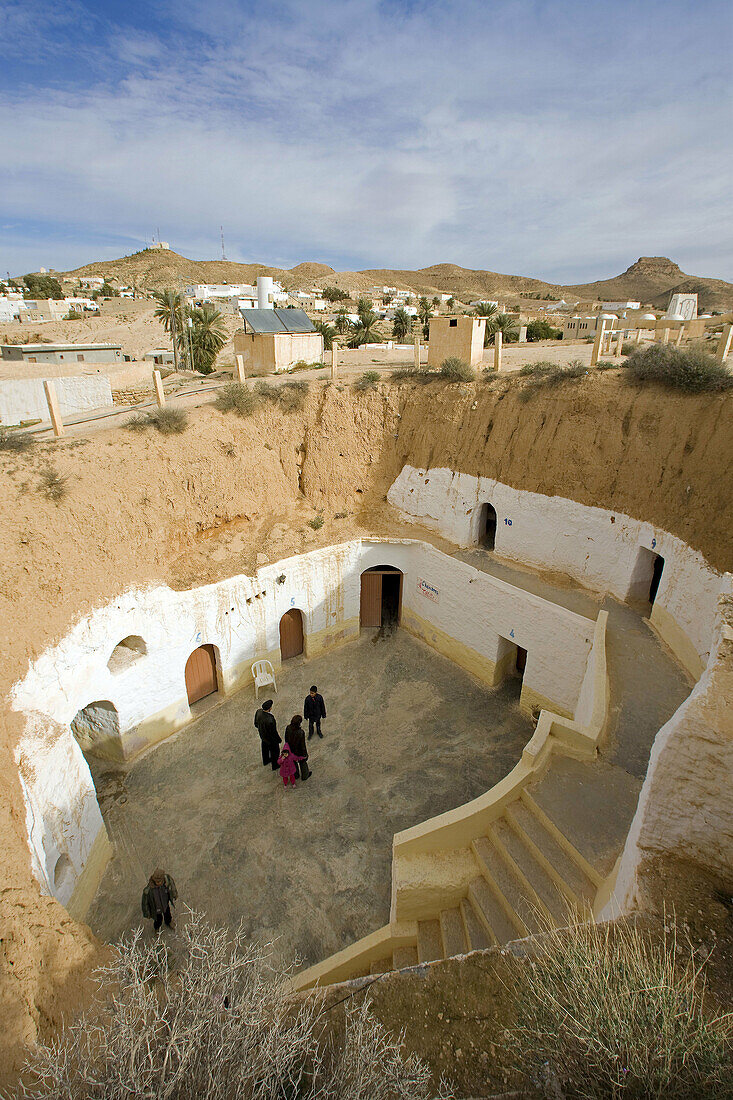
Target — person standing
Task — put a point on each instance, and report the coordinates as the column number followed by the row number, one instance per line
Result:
column 157, row 898
column 314, row 710
column 267, row 729
column 295, row 737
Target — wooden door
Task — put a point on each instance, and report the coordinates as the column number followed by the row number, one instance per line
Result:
column 370, row 613
column 201, row 674
column 291, row 634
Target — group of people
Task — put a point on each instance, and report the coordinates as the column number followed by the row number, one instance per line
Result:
column 292, row 762
column 292, row 758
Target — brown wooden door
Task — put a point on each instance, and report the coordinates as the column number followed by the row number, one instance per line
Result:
column 291, row 634
column 370, row 613
column 201, row 674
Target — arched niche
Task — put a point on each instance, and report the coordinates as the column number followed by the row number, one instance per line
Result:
column 96, row 728
column 126, row 652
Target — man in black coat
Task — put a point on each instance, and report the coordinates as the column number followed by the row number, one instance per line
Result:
column 314, row 709
column 267, row 729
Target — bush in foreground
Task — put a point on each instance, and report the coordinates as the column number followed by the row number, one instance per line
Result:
column 691, row 371
column 168, row 421
column 214, row 1021
column 15, row 441
column 543, row 374
column 607, row 1011
column 456, row 370
column 367, row 381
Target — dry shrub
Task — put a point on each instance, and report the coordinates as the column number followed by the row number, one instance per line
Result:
column 609, row 1011
column 690, row 371
column 53, row 484
column 316, row 523
column 215, row 1020
column 138, row 422
column 456, row 370
column 419, row 374
column 292, row 395
column 367, row 381
column 15, row 441
column 169, row 420
column 237, row 398
column 545, row 374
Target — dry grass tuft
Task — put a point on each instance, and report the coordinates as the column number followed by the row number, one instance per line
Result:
column 690, row 371
column 53, row 484
column 15, row 441
column 456, row 370
column 237, row 398
column 610, row 1011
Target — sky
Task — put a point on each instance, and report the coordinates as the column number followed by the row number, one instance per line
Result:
column 560, row 139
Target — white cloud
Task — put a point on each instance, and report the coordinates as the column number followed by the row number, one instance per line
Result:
column 518, row 136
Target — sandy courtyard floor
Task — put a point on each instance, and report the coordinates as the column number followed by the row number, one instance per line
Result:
column 408, row 735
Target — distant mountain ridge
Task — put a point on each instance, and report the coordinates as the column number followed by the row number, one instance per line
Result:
column 651, row 279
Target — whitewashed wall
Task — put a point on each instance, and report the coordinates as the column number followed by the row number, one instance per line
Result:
column 598, row 547
column 25, row 398
column 240, row 617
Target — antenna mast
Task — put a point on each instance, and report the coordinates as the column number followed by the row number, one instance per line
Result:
column 223, row 254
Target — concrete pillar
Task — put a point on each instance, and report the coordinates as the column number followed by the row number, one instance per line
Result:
column 680, row 334
column 638, row 336
column 665, row 335
column 158, row 384
column 724, row 346
column 619, row 343
column 53, row 409
column 498, row 341
column 417, row 353
column 598, row 343
column 523, row 334
column 334, row 358
column 239, row 370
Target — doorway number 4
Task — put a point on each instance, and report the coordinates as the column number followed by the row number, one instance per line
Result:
column 511, row 633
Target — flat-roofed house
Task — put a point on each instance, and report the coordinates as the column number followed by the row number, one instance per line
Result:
column 62, row 353
column 277, row 339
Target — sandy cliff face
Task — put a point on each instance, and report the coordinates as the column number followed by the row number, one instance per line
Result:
column 189, row 509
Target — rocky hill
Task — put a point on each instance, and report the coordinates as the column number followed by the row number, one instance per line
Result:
column 650, row 280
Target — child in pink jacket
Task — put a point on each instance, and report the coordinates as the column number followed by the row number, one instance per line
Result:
column 288, row 768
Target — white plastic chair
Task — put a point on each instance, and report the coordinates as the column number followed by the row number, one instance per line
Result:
column 263, row 673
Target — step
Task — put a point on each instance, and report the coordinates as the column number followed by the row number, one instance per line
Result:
column 539, row 883
column 566, row 873
column 490, row 912
column 381, row 966
column 404, row 956
column 429, row 941
column 451, row 928
column 570, row 850
column 477, row 938
column 495, row 871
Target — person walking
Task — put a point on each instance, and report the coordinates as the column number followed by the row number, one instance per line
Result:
column 158, row 896
column 267, row 729
column 288, row 762
column 295, row 737
column 314, row 709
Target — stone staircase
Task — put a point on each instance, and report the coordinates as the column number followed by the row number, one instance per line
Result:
column 529, row 877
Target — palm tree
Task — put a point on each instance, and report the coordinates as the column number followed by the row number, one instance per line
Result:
column 208, row 336
column 365, row 332
column 341, row 322
column 488, row 310
column 170, row 312
column 436, row 302
column 327, row 332
column 506, row 325
column 451, row 302
column 424, row 310
column 401, row 324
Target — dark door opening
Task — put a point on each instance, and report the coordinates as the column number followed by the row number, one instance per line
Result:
column 487, row 527
column 656, row 577
column 521, row 662
column 381, row 597
column 291, row 634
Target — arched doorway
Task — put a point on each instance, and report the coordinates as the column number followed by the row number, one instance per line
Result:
column 291, row 634
column 487, row 526
column 201, row 678
column 381, row 596
column 97, row 730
